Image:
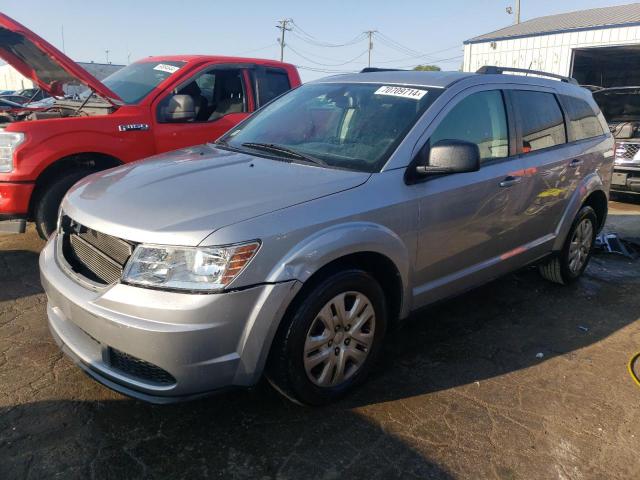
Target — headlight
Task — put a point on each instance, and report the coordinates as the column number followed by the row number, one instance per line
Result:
column 183, row 268
column 8, row 144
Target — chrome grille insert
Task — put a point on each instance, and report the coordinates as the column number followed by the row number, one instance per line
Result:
column 626, row 150
column 94, row 255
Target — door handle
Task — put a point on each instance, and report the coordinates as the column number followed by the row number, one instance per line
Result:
column 575, row 163
column 510, row 181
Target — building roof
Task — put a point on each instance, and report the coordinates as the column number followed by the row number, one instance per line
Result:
column 620, row 15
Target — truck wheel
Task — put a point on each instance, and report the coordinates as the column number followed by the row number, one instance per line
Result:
column 330, row 341
column 567, row 265
column 46, row 209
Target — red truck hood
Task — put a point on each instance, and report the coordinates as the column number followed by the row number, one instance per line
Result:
column 48, row 67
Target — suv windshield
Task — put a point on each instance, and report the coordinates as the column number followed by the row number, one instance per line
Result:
column 134, row 82
column 619, row 104
column 344, row 125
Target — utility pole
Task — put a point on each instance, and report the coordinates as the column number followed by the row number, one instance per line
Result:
column 283, row 26
column 62, row 34
column 517, row 12
column 106, row 52
column 370, row 33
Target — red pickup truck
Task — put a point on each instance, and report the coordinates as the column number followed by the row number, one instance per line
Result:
column 151, row 106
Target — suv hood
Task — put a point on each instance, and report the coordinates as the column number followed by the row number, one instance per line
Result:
column 48, row 67
column 181, row 197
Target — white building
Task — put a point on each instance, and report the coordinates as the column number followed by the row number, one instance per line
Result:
column 11, row 79
column 600, row 46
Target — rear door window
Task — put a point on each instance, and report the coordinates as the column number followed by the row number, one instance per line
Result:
column 583, row 122
column 479, row 118
column 541, row 120
column 271, row 83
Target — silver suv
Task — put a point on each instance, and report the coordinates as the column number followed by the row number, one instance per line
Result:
column 293, row 243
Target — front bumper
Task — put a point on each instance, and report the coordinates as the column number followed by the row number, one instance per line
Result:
column 15, row 198
column 203, row 342
column 626, row 178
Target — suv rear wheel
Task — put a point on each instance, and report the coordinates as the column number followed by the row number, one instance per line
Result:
column 331, row 340
column 47, row 205
column 571, row 262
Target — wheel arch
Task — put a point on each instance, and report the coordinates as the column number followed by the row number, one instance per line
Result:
column 93, row 161
column 367, row 246
column 592, row 192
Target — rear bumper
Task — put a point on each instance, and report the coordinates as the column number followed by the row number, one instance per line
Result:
column 198, row 343
column 15, row 199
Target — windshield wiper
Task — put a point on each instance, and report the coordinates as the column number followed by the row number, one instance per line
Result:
column 279, row 149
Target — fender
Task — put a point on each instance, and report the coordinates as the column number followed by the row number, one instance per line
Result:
column 588, row 185
column 337, row 241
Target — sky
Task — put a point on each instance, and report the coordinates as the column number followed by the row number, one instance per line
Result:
column 409, row 32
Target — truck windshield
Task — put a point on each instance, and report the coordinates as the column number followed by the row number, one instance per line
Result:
column 134, row 82
column 619, row 104
column 345, row 125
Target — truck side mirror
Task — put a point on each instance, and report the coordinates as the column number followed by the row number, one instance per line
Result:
column 450, row 156
column 180, row 108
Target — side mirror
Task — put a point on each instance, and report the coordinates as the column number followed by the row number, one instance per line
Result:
column 451, row 156
column 180, row 108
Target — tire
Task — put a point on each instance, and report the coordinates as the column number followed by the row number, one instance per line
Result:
column 290, row 357
column 560, row 267
column 47, row 205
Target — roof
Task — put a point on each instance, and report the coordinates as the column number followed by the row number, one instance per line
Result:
column 400, row 77
column 620, row 15
column 212, row 59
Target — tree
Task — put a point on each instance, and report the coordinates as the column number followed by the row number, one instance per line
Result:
column 427, row 68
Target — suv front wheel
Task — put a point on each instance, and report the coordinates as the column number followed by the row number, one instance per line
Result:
column 571, row 262
column 330, row 340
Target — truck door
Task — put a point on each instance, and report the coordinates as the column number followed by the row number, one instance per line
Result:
column 221, row 99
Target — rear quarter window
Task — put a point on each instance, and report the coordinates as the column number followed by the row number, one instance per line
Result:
column 541, row 120
column 583, row 122
column 271, row 83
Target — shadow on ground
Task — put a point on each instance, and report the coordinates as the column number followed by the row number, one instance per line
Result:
column 494, row 330
column 19, row 274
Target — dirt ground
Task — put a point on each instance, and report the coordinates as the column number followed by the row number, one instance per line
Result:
column 519, row 379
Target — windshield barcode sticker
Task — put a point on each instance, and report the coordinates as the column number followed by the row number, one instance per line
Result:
column 163, row 67
column 404, row 92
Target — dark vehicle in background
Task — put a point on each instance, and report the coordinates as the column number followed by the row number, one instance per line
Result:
column 32, row 94
column 621, row 109
column 15, row 98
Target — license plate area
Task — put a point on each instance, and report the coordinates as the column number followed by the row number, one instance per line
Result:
column 619, row 179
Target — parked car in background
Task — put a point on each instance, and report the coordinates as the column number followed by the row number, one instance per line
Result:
column 151, row 106
column 621, row 109
column 15, row 98
column 33, row 94
column 292, row 243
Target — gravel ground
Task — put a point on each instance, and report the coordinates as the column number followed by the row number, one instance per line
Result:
column 519, row 379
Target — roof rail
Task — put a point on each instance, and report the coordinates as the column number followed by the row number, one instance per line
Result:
column 375, row 69
column 493, row 70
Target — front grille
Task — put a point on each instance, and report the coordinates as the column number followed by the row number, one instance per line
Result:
column 137, row 368
column 94, row 255
column 626, row 151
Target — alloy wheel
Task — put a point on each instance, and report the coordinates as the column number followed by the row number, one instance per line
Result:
column 580, row 245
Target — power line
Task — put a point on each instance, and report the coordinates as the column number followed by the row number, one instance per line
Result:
column 302, row 34
column 273, row 44
column 323, row 70
column 420, row 56
column 327, row 64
